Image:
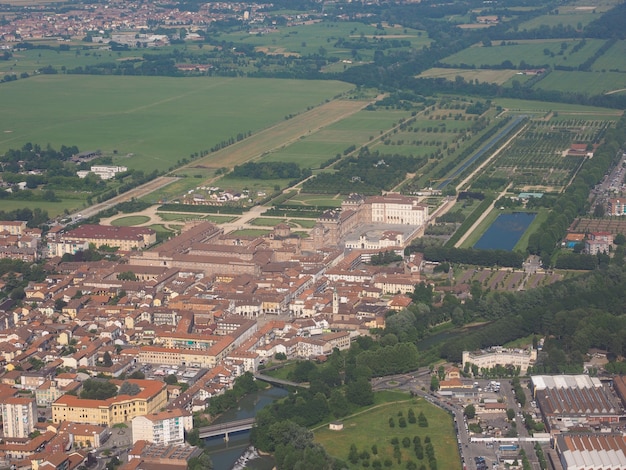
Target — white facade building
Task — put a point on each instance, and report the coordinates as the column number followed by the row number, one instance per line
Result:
column 397, row 209
column 499, row 356
column 19, row 416
column 167, row 427
column 105, row 172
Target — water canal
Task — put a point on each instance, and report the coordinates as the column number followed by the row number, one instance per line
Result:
column 505, row 231
column 226, row 454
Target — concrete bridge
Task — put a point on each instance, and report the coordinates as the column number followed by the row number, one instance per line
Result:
column 279, row 382
column 226, row 428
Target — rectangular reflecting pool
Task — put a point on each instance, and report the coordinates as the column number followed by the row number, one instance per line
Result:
column 505, row 231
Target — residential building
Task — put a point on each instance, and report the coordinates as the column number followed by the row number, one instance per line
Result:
column 166, row 427
column 19, row 416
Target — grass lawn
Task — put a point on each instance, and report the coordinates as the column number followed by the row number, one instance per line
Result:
column 304, row 223
column 316, row 200
column 174, row 217
column 160, row 120
column 371, row 427
column 267, row 222
column 130, row 220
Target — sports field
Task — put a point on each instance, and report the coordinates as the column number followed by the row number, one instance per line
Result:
column 158, row 120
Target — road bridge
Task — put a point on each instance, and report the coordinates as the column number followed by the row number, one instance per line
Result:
column 279, row 382
column 224, row 429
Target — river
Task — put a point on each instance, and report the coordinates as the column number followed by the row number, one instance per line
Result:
column 226, row 454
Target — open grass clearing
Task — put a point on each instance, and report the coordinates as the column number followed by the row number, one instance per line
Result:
column 130, row 221
column 160, row 120
column 489, row 76
column 371, row 427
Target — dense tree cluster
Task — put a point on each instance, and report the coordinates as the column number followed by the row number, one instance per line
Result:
column 369, row 173
column 243, row 385
column 504, row 258
column 98, row 389
column 270, row 171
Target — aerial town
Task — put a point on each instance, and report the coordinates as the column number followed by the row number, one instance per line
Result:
column 312, row 235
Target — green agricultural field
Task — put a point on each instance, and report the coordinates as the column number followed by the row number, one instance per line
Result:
column 613, row 59
column 576, row 14
column 489, row 76
column 534, row 52
column 54, row 209
column 371, row 427
column 159, row 120
column 545, row 107
column 325, row 38
column 593, row 83
column 130, row 221
column 308, row 152
column 566, row 17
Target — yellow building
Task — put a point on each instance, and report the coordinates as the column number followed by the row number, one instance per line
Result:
column 119, row 409
column 124, row 238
